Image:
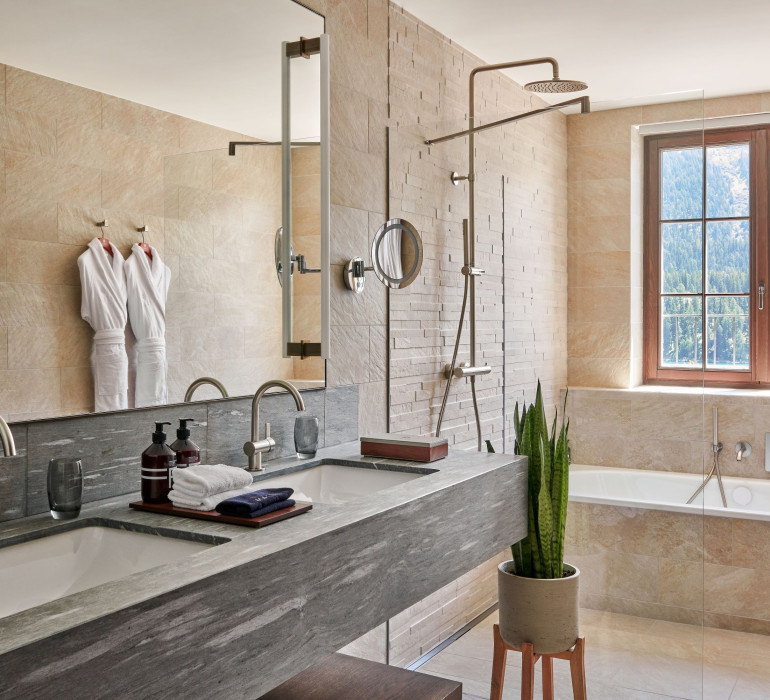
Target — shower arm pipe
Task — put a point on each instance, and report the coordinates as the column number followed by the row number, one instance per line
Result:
column 585, row 108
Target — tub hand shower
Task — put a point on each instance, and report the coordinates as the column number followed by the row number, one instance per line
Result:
column 716, row 448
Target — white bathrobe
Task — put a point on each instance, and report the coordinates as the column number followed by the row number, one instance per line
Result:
column 147, row 282
column 103, row 306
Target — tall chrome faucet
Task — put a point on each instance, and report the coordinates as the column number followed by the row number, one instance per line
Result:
column 6, row 437
column 256, row 447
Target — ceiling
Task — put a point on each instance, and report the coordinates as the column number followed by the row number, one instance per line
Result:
column 627, row 52
column 217, row 61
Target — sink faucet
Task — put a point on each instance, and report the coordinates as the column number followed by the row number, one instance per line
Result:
column 200, row 382
column 256, row 447
column 6, row 437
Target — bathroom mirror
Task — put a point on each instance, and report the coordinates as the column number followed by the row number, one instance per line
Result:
column 397, row 253
column 396, row 257
column 124, row 114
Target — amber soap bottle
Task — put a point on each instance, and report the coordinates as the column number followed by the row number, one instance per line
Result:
column 187, row 452
column 158, row 462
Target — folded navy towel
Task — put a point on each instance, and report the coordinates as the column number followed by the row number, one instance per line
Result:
column 254, row 503
column 262, row 511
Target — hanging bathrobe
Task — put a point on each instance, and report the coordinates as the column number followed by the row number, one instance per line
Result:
column 147, row 282
column 103, row 306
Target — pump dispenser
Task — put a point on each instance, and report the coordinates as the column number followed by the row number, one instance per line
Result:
column 158, row 462
column 187, row 452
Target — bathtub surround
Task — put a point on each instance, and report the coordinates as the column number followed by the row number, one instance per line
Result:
column 668, row 430
column 672, row 566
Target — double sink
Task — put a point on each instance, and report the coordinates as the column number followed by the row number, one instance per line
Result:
column 81, row 555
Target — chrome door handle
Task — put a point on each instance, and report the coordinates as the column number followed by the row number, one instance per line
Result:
column 761, row 296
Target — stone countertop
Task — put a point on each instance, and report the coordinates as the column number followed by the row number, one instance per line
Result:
column 253, row 568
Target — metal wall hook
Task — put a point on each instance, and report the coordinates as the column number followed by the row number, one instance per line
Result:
column 102, row 224
column 456, row 178
column 143, row 230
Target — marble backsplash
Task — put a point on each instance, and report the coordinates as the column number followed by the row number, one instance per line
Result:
column 110, row 445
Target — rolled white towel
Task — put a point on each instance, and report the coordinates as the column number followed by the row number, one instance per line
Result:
column 203, row 480
column 206, row 503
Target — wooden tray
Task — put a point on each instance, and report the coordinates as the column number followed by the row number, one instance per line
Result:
column 259, row 521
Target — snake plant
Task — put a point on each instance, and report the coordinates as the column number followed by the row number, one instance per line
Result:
column 541, row 553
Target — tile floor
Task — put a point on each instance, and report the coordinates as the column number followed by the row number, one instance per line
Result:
column 627, row 658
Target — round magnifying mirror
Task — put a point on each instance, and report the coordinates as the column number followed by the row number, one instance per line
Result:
column 397, row 253
column 278, row 261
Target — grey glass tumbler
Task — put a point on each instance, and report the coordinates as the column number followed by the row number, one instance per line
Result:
column 65, row 488
column 306, row 436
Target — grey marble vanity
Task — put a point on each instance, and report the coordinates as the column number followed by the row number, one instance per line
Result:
column 264, row 604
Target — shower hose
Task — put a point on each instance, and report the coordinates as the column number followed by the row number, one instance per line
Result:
column 451, row 373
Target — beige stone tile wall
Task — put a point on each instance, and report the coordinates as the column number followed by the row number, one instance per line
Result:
column 521, row 301
column 605, row 233
column 671, row 566
column 72, row 157
column 668, row 431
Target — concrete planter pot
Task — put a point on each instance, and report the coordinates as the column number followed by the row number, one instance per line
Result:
column 543, row 612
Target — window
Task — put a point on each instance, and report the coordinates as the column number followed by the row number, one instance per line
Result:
column 706, row 258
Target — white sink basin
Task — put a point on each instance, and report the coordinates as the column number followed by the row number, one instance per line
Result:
column 334, row 484
column 42, row 570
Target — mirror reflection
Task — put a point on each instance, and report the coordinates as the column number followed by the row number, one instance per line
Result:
column 135, row 243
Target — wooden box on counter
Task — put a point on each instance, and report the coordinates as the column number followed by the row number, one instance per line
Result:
column 416, row 448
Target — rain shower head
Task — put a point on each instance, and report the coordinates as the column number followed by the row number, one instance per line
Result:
column 556, row 85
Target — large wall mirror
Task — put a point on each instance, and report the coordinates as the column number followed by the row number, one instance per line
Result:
column 139, row 115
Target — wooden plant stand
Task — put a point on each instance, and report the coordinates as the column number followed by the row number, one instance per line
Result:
column 575, row 656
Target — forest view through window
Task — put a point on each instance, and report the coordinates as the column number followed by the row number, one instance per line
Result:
column 703, row 273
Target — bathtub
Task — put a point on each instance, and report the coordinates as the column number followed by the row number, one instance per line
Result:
column 659, row 490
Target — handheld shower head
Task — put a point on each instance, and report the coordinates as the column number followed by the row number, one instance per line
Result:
column 556, row 85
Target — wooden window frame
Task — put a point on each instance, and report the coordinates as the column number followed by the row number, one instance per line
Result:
column 759, row 373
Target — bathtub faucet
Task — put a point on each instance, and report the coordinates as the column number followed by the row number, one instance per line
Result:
column 742, row 449
column 716, row 448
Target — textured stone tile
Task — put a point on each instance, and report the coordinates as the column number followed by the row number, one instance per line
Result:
column 378, row 353
column 27, row 132
column 31, row 92
column 140, row 121
column 372, row 408
column 349, row 117
column 133, row 192
column 604, row 373
column 106, row 150
column 341, row 410
column 358, row 179
column 42, row 263
column 36, row 178
column 13, row 478
column 718, row 540
column 31, row 347
column 612, row 125
column 750, row 546
column 29, row 391
column 348, row 361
